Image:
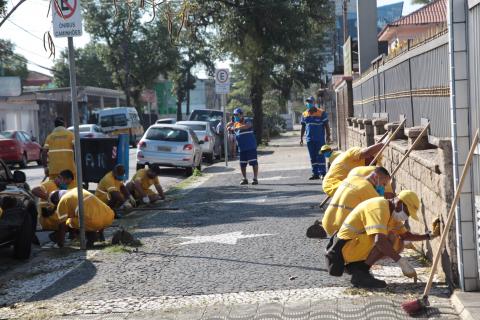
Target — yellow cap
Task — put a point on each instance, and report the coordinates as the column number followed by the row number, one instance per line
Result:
column 326, row 147
column 410, row 199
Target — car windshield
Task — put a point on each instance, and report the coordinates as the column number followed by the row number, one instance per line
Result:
column 84, row 129
column 7, row 134
column 195, row 127
column 167, row 134
column 115, row 120
column 206, row 115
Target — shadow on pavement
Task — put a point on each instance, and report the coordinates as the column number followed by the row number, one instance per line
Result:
column 216, row 169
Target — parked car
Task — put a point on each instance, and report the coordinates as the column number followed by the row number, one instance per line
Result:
column 170, row 146
column 18, row 218
column 210, row 115
column 18, row 147
column 90, row 131
column 166, row 121
column 211, row 147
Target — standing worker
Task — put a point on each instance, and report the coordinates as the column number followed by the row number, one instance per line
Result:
column 246, row 144
column 352, row 158
column 59, row 149
column 315, row 125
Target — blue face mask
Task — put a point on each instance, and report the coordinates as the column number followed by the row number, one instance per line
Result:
column 236, row 118
column 380, row 190
column 310, row 105
column 327, row 154
column 120, row 178
column 63, row 186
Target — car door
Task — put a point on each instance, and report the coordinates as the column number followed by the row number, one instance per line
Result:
column 22, row 141
column 30, row 146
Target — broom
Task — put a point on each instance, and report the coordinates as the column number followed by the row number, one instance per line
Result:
column 415, row 306
column 325, row 200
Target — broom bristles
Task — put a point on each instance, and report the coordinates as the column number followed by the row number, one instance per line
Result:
column 414, row 306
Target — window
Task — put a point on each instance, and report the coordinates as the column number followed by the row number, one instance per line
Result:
column 27, row 136
column 196, row 127
column 115, row 120
column 206, row 115
column 84, row 129
column 167, row 134
column 7, row 134
column 20, row 137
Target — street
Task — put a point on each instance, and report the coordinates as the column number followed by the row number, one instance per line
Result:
column 229, row 251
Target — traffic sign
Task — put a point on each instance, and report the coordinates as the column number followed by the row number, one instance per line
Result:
column 67, row 18
column 222, row 81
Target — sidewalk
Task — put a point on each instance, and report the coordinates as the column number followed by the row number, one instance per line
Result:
column 467, row 304
column 230, row 252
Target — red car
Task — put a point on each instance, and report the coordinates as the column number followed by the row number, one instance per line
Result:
column 19, row 147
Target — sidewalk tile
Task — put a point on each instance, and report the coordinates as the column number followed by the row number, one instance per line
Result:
column 243, row 312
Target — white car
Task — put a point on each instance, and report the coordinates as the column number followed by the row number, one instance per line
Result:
column 170, row 145
column 90, row 131
column 166, row 121
column 211, row 147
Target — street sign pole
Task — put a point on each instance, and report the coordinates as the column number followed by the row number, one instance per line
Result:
column 225, row 132
column 78, row 155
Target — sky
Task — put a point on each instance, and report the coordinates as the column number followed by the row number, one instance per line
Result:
column 29, row 22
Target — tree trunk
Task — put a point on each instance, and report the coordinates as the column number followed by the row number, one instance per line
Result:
column 256, row 95
column 179, row 108
column 188, row 94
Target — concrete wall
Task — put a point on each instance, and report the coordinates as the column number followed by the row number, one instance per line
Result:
column 427, row 171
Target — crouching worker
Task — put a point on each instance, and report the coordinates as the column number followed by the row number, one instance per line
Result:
column 97, row 215
column 329, row 154
column 141, row 182
column 374, row 230
column 352, row 158
column 113, row 192
column 47, row 219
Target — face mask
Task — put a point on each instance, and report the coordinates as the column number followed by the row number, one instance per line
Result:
column 310, row 105
column 120, row 178
column 327, row 154
column 400, row 215
column 236, row 119
column 63, row 186
column 380, row 190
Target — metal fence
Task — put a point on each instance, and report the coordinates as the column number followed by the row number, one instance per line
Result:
column 415, row 83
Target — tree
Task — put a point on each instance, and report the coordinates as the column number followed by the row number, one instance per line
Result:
column 11, row 63
column 135, row 53
column 90, row 68
column 262, row 34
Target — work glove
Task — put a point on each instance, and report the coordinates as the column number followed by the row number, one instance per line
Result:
column 435, row 228
column 126, row 205
column 407, row 268
column 146, row 200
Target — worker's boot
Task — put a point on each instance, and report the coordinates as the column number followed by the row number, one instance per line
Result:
column 361, row 276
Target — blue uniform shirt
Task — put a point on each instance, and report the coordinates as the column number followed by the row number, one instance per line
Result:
column 245, row 138
column 315, row 124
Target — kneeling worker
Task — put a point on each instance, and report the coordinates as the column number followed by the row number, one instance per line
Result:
column 141, row 182
column 373, row 230
column 112, row 191
column 353, row 191
column 97, row 215
column 329, row 154
column 352, row 158
column 364, row 171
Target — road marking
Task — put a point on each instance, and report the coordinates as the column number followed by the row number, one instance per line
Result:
column 273, row 178
column 245, row 200
column 225, row 238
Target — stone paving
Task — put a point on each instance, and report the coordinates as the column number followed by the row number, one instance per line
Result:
column 230, row 252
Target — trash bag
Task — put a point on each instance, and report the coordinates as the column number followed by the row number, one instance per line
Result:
column 334, row 256
column 316, row 231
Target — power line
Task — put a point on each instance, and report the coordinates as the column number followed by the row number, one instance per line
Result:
column 30, row 33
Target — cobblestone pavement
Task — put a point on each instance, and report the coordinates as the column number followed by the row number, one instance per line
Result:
column 230, row 252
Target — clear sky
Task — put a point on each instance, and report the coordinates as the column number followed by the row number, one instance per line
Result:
column 28, row 24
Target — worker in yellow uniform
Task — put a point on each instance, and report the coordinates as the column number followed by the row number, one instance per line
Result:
column 329, row 154
column 141, row 182
column 59, row 149
column 353, row 157
column 97, row 215
column 113, row 192
column 47, row 219
column 364, row 171
column 353, row 191
column 374, row 230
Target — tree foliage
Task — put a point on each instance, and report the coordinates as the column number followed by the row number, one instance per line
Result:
column 90, row 68
column 11, row 63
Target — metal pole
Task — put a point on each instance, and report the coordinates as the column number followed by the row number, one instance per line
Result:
column 225, row 134
column 78, row 162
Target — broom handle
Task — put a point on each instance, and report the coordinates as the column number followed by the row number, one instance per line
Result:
column 382, row 137
column 417, row 141
column 324, row 201
column 451, row 214
column 387, row 143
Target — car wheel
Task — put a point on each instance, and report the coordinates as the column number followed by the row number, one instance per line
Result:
column 209, row 158
column 140, row 166
column 24, row 162
column 188, row 171
column 23, row 243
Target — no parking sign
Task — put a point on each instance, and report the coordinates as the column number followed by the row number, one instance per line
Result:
column 67, row 18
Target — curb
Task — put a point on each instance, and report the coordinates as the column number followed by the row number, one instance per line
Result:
column 467, row 304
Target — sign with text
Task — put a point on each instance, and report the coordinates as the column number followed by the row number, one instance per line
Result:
column 222, row 81
column 67, row 18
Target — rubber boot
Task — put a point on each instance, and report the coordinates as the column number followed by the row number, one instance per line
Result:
column 361, row 276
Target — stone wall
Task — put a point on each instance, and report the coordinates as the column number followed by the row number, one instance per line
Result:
column 427, row 171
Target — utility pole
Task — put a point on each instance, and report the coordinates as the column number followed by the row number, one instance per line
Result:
column 345, row 20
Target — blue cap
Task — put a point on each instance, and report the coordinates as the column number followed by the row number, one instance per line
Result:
column 310, row 99
column 237, row 111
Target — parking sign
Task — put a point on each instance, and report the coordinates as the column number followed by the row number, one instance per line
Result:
column 222, row 81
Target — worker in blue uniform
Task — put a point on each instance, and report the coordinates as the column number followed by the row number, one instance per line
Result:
column 247, row 144
column 315, row 125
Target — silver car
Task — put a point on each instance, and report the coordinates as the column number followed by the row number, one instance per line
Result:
column 170, row 145
column 211, row 147
column 90, row 131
